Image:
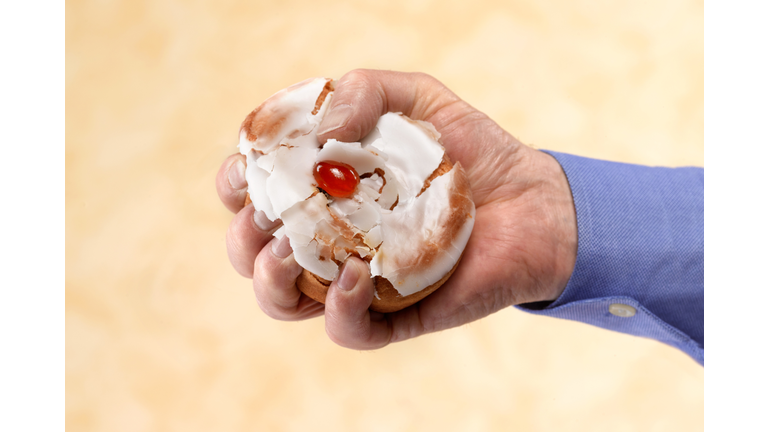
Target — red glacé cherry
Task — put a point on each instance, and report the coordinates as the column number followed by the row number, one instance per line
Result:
column 336, row 178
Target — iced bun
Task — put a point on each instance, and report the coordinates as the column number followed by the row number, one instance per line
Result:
column 394, row 199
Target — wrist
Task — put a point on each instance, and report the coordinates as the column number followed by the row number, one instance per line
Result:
column 560, row 222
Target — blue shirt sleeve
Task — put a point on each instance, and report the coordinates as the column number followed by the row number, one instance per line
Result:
column 641, row 244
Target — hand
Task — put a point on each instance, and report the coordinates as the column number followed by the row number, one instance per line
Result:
column 522, row 249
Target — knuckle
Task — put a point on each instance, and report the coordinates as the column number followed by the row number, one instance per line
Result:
column 278, row 315
column 235, row 238
column 222, row 176
column 263, row 273
column 338, row 337
column 235, row 252
column 333, row 337
column 345, row 341
column 267, row 306
column 422, row 76
column 275, row 290
column 264, row 308
column 350, row 335
column 426, row 79
column 356, row 76
column 336, row 327
column 356, row 84
column 223, row 189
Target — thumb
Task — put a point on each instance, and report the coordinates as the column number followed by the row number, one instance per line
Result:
column 362, row 96
column 355, row 108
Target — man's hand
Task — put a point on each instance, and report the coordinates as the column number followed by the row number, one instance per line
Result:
column 522, row 248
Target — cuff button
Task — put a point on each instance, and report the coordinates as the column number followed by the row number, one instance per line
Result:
column 622, row 310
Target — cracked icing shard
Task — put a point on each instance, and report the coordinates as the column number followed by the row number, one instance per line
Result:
column 290, row 182
column 289, row 113
column 256, row 177
column 410, row 237
column 300, row 223
column 412, row 150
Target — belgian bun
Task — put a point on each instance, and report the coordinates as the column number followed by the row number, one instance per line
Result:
column 409, row 214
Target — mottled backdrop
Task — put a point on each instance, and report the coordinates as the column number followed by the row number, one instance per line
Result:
column 163, row 335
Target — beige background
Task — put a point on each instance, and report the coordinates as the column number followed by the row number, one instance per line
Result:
column 163, row 335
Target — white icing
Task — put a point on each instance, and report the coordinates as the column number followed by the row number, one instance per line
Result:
column 396, row 158
column 280, row 233
column 373, row 237
column 301, row 222
column 256, row 178
column 367, row 216
column 413, row 154
column 345, row 206
column 375, row 183
column 294, row 106
column 265, row 162
column 290, row 181
column 415, row 227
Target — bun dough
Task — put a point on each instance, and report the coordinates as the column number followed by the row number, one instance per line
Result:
column 409, row 218
column 388, row 300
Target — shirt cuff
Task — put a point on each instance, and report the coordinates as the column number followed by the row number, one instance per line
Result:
column 639, row 266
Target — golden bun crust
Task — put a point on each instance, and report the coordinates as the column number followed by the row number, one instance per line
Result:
column 389, row 299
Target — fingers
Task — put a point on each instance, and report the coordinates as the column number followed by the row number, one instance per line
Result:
column 348, row 322
column 274, row 283
column 230, row 183
column 362, row 96
column 248, row 232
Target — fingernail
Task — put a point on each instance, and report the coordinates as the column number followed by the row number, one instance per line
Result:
column 237, row 175
column 263, row 222
column 336, row 118
column 349, row 276
column 282, row 248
